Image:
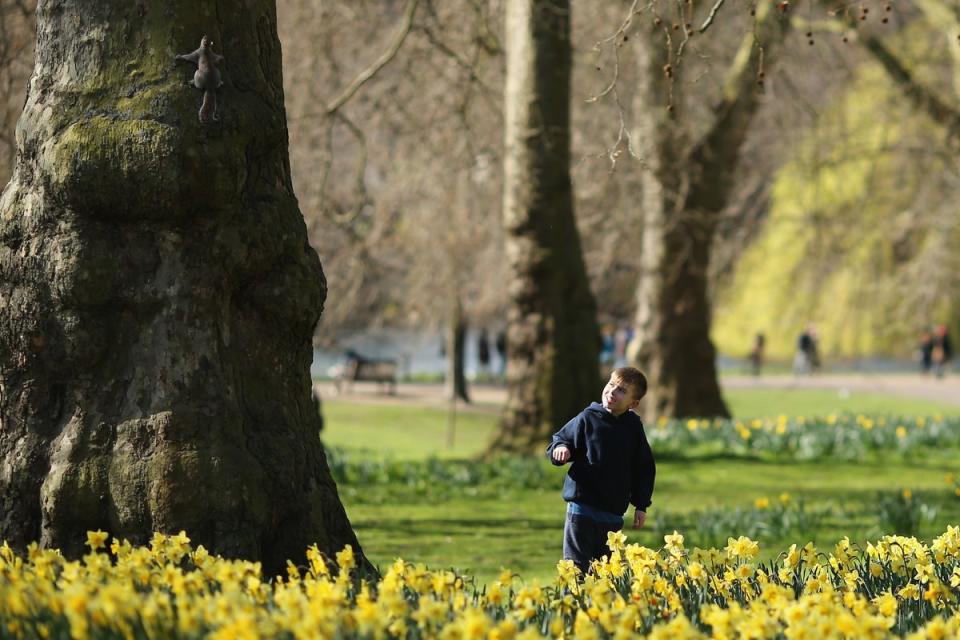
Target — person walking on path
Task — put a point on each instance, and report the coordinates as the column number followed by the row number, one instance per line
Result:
column 607, row 348
column 942, row 350
column 756, row 354
column 611, row 466
column 501, row 345
column 926, row 351
column 807, row 359
column 483, row 352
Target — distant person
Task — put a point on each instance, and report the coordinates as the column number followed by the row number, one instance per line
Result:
column 501, row 344
column 801, row 359
column 807, row 359
column 942, row 350
column 620, row 341
column 756, row 353
column 611, row 466
column 814, row 348
column 483, row 351
column 925, row 350
column 607, row 348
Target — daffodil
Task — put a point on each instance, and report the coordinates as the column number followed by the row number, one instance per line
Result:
column 924, row 572
column 583, row 627
column 346, row 560
column 809, row 555
column 910, row 592
column 696, row 572
column 674, row 543
column 742, row 547
column 616, row 540
column 96, row 539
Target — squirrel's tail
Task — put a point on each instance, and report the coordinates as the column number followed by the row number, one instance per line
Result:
column 208, row 110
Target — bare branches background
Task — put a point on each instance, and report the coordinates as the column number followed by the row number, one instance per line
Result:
column 395, row 126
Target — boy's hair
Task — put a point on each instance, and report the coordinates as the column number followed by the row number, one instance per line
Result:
column 632, row 378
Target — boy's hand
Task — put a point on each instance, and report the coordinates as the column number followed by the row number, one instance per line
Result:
column 560, row 453
column 639, row 518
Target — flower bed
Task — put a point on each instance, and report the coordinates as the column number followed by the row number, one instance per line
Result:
column 844, row 436
column 169, row 589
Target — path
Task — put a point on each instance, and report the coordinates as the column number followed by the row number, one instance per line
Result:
column 945, row 390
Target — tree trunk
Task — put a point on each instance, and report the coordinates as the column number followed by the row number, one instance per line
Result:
column 685, row 188
column 552, row 337
column 158, row 295
column 456, row 381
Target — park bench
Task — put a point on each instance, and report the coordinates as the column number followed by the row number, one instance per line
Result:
column 358, row 368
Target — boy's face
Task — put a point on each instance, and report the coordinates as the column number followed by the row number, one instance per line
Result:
column 618, row 397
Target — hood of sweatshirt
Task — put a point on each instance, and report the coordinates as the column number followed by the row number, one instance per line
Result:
column 598, row 408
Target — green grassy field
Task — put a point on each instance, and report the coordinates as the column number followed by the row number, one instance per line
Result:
column 479, row 532
column 753, row 403
column 404, row 431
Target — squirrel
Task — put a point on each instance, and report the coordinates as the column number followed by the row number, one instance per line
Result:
column 207, row 77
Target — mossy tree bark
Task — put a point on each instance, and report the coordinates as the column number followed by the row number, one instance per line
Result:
column 552, row 337
column 158, row 294
column 686, row 186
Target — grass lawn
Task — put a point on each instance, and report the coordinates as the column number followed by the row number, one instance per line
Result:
column 404, row 431
column 479, row 532
column 757, row 403
column 521, row 530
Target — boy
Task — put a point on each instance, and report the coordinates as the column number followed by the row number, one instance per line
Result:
column 612, row 465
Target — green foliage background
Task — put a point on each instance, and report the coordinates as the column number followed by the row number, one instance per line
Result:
column 856, row 241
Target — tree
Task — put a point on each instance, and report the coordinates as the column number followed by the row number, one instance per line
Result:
column 159, row 295
column 552, row 337
column 686, row 186
column 875, row 290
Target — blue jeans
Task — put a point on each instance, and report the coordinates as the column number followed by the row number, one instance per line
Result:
column 585, row 539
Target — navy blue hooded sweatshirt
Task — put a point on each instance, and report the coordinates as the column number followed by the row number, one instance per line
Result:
column 611, row 461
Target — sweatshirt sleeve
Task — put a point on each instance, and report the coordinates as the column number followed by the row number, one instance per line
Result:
column 570, row 436
column 644, row 474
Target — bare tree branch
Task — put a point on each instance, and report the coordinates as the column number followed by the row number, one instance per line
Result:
column 617, row 38
column 364, row 76
column 362, row 199
column 713, row 14
column 922, row 97
column 469, row 66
